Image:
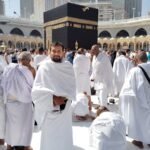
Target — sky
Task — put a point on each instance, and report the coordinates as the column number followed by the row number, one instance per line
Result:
column 145, row 7
column 14, row 5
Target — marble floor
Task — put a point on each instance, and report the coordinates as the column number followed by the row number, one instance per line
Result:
column 81, row 134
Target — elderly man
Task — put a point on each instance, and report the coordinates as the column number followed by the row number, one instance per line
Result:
column 17, row 84
column 102, row 74
column 107, row 131
column 135, row 102
column 53, row 90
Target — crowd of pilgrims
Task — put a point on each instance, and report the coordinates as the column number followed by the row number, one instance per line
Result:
column 104, row 73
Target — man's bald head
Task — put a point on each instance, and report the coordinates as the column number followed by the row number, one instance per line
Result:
column 141, row 57
column 95, row 49
column 81, row 51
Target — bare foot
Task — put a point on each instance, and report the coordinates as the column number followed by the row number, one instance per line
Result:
column 9, row 147
column 81, row 118
column 28, row 148
column 2, row 142
column 139, row 144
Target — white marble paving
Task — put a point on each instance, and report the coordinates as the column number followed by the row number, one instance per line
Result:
column 81, row 136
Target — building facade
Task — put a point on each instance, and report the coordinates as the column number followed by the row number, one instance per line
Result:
column 133, row 8
column 118, row 9
column 26, row 8
column 131, row 33
column 108, row 9
column 39, row 7
column 2, row 7
column 104, row 6
column 18, row 33
column 44, row 5
column 50, row 4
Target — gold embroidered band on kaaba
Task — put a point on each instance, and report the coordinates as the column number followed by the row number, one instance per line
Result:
column 71, row 21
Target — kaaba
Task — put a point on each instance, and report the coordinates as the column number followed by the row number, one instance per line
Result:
column 72, row 24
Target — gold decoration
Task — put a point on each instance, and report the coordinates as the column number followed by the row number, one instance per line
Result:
column 71, row 19
column 89, row 27
column 3, row 47
column 76, row 25
column 76, row 45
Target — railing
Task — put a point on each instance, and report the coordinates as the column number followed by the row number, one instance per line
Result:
column 131, row 20
column 89, row 1
column 5, row 20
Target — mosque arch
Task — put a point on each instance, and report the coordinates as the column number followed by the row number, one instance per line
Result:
column 33, row 45
column 146, row 45
column 35, row 33
column 105, row 46
column 138, row 45
column 1, row 42
column 19, row 45
column 105, row 34
column 26, row 45
column 122, row 33
column 17, row 31
column 131, row 46
column 112, row 46
column 40, row 44
column 118, row 46
column 1, row 31
column 11, row 44
column 140, row 32
column 125, row 44
column 100, row 45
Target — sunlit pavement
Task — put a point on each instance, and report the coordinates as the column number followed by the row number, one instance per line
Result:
column 81, row 135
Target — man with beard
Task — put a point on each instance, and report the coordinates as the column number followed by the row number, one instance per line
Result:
column 53, row 90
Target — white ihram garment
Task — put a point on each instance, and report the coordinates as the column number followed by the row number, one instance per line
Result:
column 103, row 77
column 54, row 79
column 2, row 108
column 135, row 104
column 121, row 68
column 2, row 119
column 38, row 59
column 81, row 66
column 107, row 132
column 81, row 107
column 17, row 83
